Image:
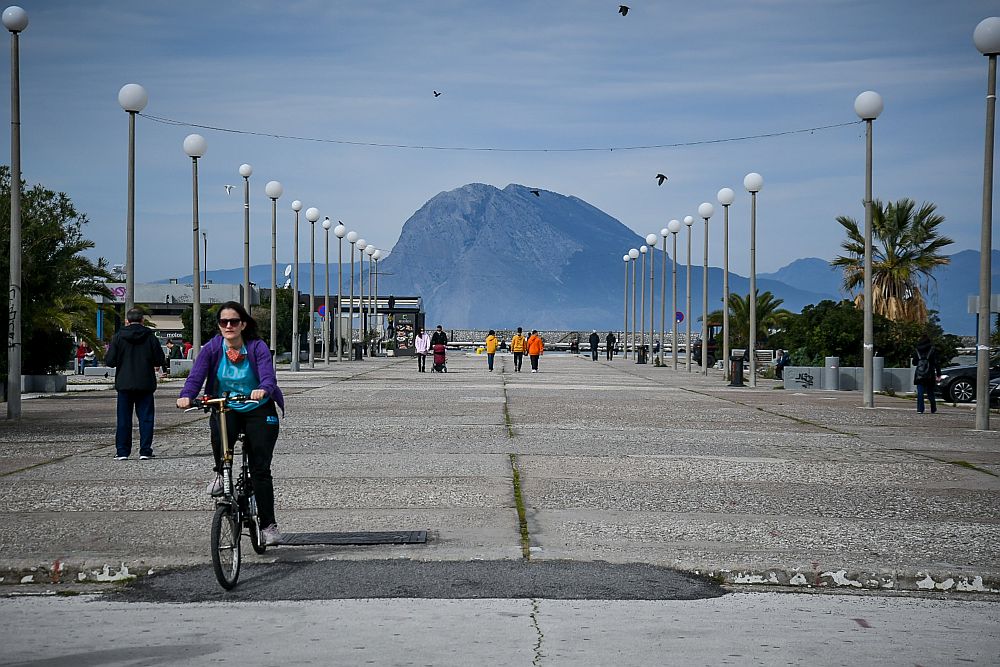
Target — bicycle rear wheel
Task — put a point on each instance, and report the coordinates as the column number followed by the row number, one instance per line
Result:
column 226, row 555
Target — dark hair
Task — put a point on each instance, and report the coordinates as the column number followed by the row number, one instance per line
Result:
column 519, row 330
column 492, row 332
column 924, row 338
column 250, row 330
column 133, row 315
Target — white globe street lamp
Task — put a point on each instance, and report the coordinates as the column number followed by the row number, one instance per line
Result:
column 688, row 222
column 362, row 304
column 296, row 206
column 753, row 182
column 326, row 294
column 312, row 215
column 245, row 171
column 370, row 309
column 195, row 146
column 274, row 190
column 705, row 211
column 339, row 231
column 626, row 259
column 633, row 255
column 987, row 39
column 868, row 106
column 133, row 99
column 651, row 242
column 726, row 196
column 15, row 19
column 352, row 238
column 673, row 227
column 663, row 297
column 642, row 302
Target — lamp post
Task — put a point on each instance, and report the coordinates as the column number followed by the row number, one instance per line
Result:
column 245, row 171
column 339, row 231
column 312, row 215
column 362, row 306
column 663, row 297
column 753, row 182
column 132, row 98
column 296, row 206
column 633, row 254
column 642, row 300
column 673, row 227
column 725, row 197
column 688, row 221
column 626, row 259
column 195, row 146
column 987, row 40
column 868, row 106
column 273, row 190
column 651, row 241
column 204, row 258
column 326, row 294
column 352, row 238
column 706, row 210
column 370, row 251
column 15, row 19
column 376, row 256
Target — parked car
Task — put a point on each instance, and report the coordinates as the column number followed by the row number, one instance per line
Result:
column 958, row 383
column 995, row 393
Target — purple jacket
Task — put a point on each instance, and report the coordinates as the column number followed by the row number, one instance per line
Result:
column 208, row 361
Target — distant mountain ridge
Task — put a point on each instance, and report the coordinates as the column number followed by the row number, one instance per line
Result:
column 483, row 257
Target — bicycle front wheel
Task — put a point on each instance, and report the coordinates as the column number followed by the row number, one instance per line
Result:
column 226, row 555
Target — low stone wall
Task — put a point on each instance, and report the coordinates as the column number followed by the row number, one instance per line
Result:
column 848, row 378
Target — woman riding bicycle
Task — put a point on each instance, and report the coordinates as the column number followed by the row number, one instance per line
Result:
column 237, row 361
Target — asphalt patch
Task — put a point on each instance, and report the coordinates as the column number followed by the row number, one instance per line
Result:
column 398, row 578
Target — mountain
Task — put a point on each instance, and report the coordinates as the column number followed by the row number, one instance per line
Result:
column 484, row 257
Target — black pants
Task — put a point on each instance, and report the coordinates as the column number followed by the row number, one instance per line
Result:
column 593, row 353
column 260, row 428
column 534, row 361
column 518, row 360
column 421, row 362
column 611, row 352
column 141, row 402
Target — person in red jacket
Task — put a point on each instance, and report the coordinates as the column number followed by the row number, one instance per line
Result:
column 535, row 349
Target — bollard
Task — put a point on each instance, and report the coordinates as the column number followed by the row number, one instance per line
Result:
column 831, row 373
column 736, row 369
column 878, row 371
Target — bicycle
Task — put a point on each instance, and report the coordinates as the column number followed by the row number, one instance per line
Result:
column 236, row 508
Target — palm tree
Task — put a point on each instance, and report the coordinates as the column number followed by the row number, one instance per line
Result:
column 769, row 317
column 906, row 247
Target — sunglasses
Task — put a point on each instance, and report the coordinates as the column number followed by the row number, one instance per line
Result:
column 227, row 322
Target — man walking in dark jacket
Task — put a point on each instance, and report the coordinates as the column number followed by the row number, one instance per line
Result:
column 595, row 341
column 135, row 353
column 610, row 342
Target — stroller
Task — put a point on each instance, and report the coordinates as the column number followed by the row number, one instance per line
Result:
column 439, row 359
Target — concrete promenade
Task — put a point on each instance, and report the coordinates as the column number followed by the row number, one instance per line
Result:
column 610, row 461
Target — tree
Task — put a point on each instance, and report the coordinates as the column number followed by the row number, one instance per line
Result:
column 906, row 247
column 770, row 317
column 283, row 322
column 208, row 325
column 58, row 284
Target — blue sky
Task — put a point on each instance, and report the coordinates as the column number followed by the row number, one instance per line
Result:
column 514, row 75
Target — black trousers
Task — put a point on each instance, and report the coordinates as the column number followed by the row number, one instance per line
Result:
column 611, row 352
column 421, row 362
column 593, row 353
column 260, row 428
column 534, row 361
column 518, row 360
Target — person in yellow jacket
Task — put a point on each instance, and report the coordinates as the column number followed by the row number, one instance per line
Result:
column 491, row 348
column 535, row 349
column 518, row 345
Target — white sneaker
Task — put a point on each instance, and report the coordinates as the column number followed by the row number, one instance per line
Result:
column 534, row 371
column 215, row 487
column 271, row 535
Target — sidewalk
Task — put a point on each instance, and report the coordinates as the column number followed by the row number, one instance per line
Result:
column 614, row 462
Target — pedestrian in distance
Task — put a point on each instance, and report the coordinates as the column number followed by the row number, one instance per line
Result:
column 81, row 354
column 926, row 371
column 781, row 360
column 238, row 361
column 609, row 343
column 422, row 345
column 491, row 348
column 595, row 341
column 135, row 354
column 536, row 347
column 439, row 337
column 518, row 345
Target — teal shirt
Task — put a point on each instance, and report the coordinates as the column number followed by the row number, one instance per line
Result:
column 238, row 379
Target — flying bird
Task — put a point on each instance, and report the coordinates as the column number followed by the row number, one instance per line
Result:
column 229, row 188
column 623, row 10
column 660, row 178
column 535, row 192
column 436, row 93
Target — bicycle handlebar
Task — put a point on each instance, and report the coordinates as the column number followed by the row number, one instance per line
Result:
column 205, row 403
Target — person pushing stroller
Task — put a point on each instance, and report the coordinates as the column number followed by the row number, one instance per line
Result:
column 439, row 342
